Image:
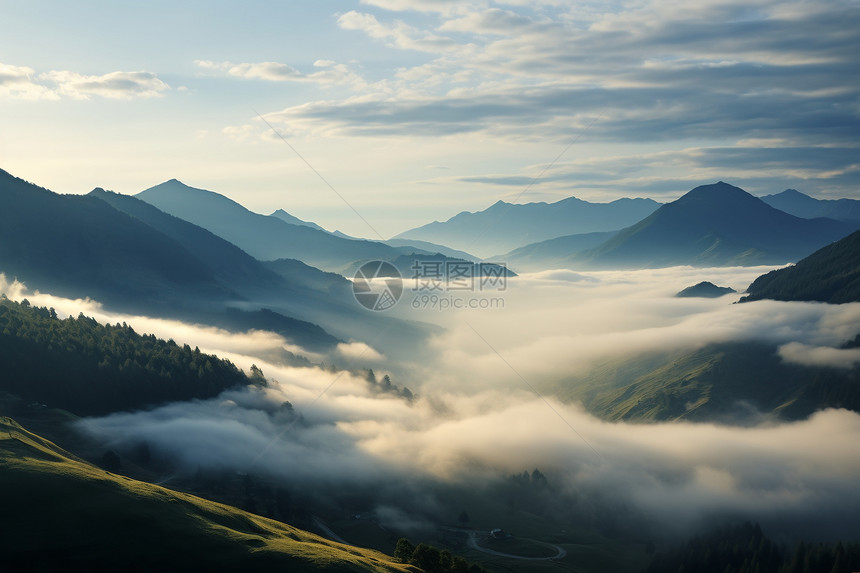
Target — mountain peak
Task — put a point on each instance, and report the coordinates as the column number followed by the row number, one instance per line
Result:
column 173, row 184
column 719, row 193
column 715, row 225
column 705, row 289
column 802, row 205
column 793, row 192
column 720, row 187
column 293, row 220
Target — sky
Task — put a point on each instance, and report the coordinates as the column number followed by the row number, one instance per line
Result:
column 409, row 111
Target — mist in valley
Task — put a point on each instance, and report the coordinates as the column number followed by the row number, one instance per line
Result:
column 344, row 442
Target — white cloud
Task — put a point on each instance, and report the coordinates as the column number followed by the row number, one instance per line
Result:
column 16, row 82
column 272, row 71
column 359, row 351
column 25, row 83
column 432, row 6
column 809, row 355
column 475, row 419
column 567, row 321
column 329, row 72
column 399, row 34
column 113, row 85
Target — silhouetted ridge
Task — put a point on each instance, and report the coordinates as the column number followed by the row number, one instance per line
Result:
column 713, row 225
column 831, row 274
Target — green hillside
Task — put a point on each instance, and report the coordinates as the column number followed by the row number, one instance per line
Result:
column 720, row 382
column 60, row 513
column 831, row 274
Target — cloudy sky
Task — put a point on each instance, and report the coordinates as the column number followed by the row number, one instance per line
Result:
column 414, row 110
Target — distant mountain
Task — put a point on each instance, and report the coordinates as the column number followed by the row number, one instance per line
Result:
column 799, row 204
column 230, row 264
column 705, row 289
column 505, row 226
column 552, row 253
column 263, row 237
column 127, row 254
column 284, row 216
column 310, row 277
column 730, row 382
column 831, row 274
column 713, row 225
column 70, row 515
column 285, row 296
column 78, row 246
column 409, row 246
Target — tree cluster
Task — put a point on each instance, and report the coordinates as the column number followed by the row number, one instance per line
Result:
column 386, row 386
column 745, row 549
column 431, row 559
column 88, row 368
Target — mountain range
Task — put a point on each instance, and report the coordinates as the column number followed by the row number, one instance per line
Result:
column 409, row 246
column 264, row 237
column 799, row 204
column 80, row 246
column 130, row 253
column 506, row 226
column 552, row 253
column 713, row 225
column 135, row 258
column 293, row 220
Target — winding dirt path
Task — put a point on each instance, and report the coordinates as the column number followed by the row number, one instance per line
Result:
column 472, row 542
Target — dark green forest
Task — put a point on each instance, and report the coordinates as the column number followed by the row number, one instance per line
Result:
column 432, row 560
column 746, row 549
column 80, row 365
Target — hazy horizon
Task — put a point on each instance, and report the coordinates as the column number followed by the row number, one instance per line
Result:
column 416, row 110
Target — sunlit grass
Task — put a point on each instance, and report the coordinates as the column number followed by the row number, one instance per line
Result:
column 61, row 510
